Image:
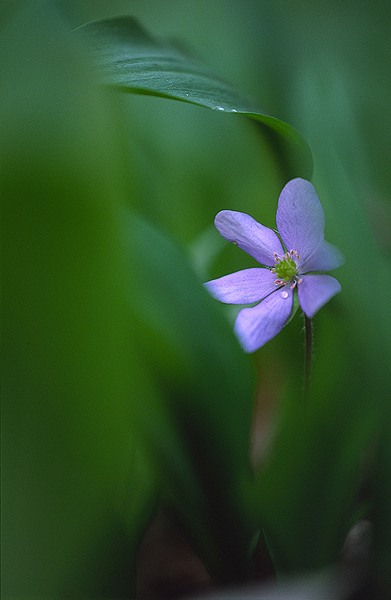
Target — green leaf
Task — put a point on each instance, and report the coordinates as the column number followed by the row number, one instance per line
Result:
column 73, row 462
column 129, row 59
column 308, row 490
column 208, row 389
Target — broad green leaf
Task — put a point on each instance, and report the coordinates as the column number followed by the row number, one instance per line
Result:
column 208, row 388
column 129, row 59
column 105, row 379
column 77, row 481
column 309, row 487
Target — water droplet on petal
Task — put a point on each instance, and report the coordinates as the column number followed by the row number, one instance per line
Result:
column 284, row 294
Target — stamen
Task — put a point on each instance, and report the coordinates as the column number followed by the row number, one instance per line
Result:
column 292, row 253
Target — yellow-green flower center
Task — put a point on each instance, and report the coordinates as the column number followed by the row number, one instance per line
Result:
column 285, row 268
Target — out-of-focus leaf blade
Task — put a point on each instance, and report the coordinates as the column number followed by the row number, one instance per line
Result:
column 129, row 59
column 72, row 461
column 209, row 389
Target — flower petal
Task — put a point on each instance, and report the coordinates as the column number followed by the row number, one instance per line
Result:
column 243, row 287
column 256, row 326
column 300, row 217
column 326, row 257
column 252, row 237
column 315, row 290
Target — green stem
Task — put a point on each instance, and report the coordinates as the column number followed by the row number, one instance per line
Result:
column 308, row 357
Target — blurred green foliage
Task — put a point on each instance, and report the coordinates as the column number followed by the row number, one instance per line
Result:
column 123, row 384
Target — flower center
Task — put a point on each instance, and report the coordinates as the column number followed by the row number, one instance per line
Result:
column 285, row 269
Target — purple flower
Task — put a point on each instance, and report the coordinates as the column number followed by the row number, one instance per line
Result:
column 291, row 266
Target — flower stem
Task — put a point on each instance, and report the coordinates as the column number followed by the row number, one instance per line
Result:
column 308, row 357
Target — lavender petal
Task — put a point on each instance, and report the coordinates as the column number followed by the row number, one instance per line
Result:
column 326, row 257
column 252, row 237
column 300, row 218
column 256, row 326
column 315, row 291
column 242, row 287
